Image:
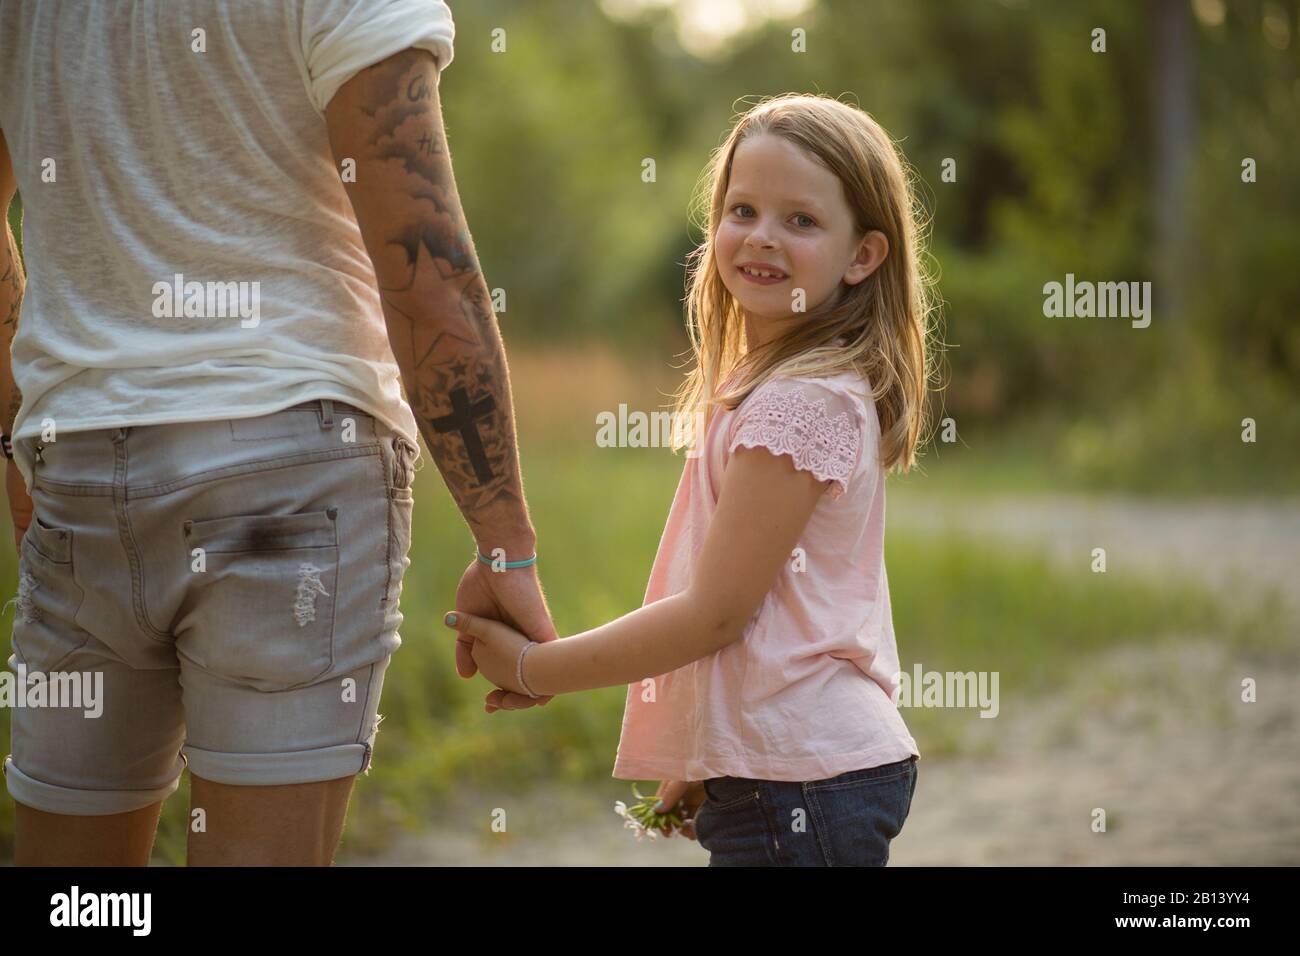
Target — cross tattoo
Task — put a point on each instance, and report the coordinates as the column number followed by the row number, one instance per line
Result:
column 463, row 419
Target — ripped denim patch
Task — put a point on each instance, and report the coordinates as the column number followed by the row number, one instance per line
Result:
column 309, row 585
column 27, row 608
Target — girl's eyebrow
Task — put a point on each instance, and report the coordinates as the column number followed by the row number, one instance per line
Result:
column 737, row 194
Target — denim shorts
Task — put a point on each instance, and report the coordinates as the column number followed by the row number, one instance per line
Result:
column 841, row 821
column 236, row 584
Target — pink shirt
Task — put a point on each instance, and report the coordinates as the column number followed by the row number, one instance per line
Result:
column 805, row 694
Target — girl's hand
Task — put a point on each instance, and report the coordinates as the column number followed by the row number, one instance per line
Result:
column 515, row 598
column 495, row 648
column 688, row 796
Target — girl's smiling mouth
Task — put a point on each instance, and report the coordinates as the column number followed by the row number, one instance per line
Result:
column 761, row 275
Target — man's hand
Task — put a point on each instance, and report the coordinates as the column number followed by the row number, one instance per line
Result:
column 514, row 597
column 20, row 502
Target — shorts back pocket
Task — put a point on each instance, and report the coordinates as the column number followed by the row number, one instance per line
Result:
column 45, row 631
column 260, row 610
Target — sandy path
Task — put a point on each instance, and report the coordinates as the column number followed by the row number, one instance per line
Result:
column 1156, row 736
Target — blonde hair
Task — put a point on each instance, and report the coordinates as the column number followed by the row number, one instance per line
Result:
column 883, row 320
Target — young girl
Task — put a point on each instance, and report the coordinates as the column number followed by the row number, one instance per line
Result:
column 762, row 664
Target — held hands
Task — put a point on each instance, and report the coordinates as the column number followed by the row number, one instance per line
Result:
column 494, row 648
column 490, row 609
column 513, row 601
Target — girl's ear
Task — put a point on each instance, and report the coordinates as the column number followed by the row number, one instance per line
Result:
column 871, row 253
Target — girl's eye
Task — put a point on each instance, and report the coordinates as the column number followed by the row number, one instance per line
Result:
column 741, row 206
column 809, row 224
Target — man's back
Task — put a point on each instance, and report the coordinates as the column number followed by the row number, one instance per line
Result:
column 198, row 269
column 192, row 252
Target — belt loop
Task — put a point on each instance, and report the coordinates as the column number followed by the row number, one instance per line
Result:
column 326, row 413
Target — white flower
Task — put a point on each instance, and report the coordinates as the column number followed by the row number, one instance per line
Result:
column 630, row 822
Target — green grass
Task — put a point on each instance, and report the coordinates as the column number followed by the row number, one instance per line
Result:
column 1180, row 436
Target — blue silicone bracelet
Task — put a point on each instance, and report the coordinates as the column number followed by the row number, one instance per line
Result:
column 509, row 564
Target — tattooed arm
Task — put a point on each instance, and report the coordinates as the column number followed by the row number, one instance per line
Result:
column 440, row 322
column 12, row 283
column 388, row 120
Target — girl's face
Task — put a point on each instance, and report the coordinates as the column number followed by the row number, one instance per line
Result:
column 785, row 214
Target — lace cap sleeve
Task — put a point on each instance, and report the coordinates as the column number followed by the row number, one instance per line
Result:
column 816, row 424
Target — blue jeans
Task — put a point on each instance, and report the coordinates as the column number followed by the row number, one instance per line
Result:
column 841, row 821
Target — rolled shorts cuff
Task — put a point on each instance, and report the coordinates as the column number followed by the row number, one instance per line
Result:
column 264, row 770
column 83, row 803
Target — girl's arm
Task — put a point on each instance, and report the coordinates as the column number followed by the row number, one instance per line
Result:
column 763, row 507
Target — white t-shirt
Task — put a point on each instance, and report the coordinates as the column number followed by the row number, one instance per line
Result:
column 191, row 251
